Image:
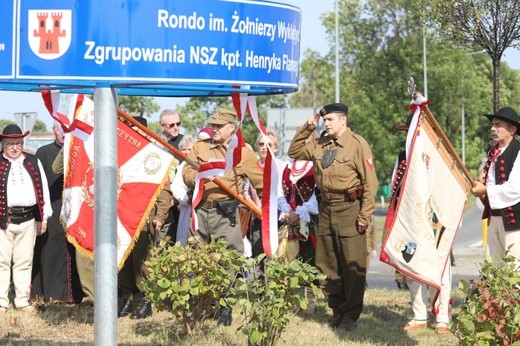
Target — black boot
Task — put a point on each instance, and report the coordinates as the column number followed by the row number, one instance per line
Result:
column 144, row 310
column 126, row 308
column 225, row 317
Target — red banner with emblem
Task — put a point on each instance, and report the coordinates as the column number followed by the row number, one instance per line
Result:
column 142, row 173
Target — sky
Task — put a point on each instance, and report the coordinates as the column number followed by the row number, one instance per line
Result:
column 312, row 36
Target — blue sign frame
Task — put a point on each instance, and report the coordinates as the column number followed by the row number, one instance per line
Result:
column 7, row 39
column 155, row 47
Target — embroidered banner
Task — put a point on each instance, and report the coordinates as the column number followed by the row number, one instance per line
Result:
column 429, row 210
column 142, row 172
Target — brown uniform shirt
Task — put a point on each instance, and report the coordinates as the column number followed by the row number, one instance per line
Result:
column 353, row 165
column 162, row 204
column 207, row 151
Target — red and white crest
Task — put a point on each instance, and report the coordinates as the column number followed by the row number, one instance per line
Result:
column 49, row 32
column 370, row 162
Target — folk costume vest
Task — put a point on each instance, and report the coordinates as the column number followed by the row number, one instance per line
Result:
column 298, row 193
column 30, row 163
column 398, row 177
column 503, row 166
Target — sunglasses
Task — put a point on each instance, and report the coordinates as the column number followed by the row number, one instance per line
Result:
column 169, row 126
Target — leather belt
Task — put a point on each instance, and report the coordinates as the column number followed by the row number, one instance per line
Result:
column 347, row 195
column 495, row 212
column 18, row 215
column 209, row 204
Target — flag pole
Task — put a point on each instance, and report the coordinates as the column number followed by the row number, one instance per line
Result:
column 448, row 144
column 189, row 161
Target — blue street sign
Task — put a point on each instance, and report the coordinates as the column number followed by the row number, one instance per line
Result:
column 7, row 31
column 158, row 47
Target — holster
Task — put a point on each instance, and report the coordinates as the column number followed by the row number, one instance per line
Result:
column 355, row 192
column 229, row 208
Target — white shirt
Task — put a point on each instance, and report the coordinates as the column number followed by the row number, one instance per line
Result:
column 303, row 211
column 20, row 188
column 507, row 194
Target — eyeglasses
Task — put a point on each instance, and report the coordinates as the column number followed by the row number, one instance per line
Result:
column 11, row 145
column 169, row 126
column 261, row 144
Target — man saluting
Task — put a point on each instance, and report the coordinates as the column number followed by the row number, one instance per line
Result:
column 345, row 175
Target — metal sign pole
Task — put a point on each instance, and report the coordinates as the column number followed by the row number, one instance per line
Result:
column 105, row 216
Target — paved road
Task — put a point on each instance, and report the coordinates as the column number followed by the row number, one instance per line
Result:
column 467, row 251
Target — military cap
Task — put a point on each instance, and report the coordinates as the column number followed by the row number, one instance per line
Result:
column 222, row 116
column 141, row 120
column 334, row 108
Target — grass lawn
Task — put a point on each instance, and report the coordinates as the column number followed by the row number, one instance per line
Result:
column 385, row 310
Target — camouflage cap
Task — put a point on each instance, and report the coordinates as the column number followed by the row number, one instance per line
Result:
column 222, row 116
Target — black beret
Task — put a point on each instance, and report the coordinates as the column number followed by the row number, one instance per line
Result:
column 141, row 120
column 334, row 108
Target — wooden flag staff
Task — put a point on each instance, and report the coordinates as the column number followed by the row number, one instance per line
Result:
column 414, row 94
column 447, row 143
column 192, row 163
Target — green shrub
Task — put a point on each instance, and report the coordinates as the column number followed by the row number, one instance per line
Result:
column 491, row 313
column 190, row 279
column 270, row 302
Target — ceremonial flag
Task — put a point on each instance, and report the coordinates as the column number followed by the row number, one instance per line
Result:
column 63, row 107
column 142, row 173
column 273, row 168
column 430, row 206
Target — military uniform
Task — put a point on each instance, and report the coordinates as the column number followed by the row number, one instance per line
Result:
column 348, row 186
column 212, row 220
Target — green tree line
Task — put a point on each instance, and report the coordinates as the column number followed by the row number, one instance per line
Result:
column 380, row 46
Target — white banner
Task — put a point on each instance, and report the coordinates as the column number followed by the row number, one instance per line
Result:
column 429, row 209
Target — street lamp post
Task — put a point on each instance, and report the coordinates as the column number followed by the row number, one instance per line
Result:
column 463, row 133
column 337, row 50
column 463, row 117
column 425, row 65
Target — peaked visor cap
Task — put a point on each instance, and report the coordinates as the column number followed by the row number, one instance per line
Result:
column 222, row 116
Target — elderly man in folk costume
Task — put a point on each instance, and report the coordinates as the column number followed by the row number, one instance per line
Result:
column 499, row 185
column 24, row 206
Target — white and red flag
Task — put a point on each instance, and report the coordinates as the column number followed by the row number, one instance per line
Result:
column 142, row 173
column 207, row 169
column 63, row 108
column 273, row 168
column 428, row 213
